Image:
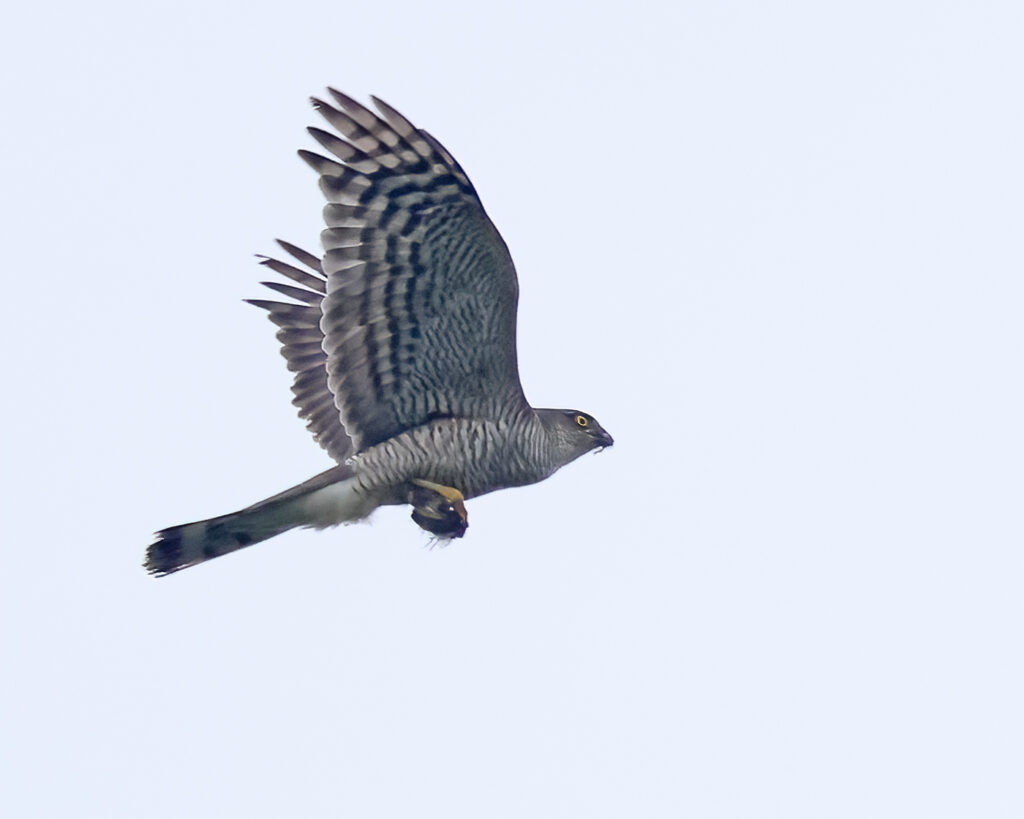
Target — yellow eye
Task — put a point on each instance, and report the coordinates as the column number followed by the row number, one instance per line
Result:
column 582, row 420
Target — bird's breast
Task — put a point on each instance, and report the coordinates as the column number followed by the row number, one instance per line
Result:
column 475, row 456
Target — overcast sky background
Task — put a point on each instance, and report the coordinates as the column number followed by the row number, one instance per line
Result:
column 775, row 248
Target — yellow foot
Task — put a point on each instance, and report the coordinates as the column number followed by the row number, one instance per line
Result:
column 439, row 509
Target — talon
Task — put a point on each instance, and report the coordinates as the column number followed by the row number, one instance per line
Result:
column 449, row 493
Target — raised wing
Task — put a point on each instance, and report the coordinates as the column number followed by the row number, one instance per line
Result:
column 420, row 307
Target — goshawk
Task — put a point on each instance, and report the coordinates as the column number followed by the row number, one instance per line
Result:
column 402, row 339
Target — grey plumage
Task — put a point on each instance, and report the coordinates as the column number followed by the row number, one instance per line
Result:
column 402, row 342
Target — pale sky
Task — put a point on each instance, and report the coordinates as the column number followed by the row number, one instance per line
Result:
column 775, row 248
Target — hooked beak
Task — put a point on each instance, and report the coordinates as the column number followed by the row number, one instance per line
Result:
column 606, row 441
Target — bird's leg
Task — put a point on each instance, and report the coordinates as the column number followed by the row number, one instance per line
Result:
column 438, row 509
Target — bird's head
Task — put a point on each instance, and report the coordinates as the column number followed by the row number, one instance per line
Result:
column 574, row 433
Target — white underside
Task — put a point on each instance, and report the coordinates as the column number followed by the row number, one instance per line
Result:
column 331, row 505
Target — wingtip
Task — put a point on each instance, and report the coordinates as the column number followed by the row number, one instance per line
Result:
column 343, row 99
column 313, row 160
column 264, row 304
column 383, row 107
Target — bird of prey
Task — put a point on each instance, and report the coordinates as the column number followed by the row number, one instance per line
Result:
column 402, row 339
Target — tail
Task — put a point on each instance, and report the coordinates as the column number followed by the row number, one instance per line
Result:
column 326, row 500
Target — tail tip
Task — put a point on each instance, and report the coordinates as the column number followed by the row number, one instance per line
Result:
column 165, row 555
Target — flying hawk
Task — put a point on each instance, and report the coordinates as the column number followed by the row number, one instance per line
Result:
column 402, row 338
